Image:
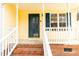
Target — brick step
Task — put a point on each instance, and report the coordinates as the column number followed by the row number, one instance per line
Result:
column 29, row 46
column 25, row 50
column 27, row 54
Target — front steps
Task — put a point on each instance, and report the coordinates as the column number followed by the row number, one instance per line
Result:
column 28, row 50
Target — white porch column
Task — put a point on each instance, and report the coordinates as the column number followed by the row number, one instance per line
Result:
column 46, row 46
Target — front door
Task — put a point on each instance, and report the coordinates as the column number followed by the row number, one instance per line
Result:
column 34, row 25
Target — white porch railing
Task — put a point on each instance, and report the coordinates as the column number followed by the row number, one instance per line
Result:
column 8, row 43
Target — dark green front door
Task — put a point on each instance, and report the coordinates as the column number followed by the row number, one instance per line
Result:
column 34, row 25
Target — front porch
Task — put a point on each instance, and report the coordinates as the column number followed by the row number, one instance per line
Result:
column 29, row 29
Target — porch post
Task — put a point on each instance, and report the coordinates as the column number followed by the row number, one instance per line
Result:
column 46, row 46
column 17, row 23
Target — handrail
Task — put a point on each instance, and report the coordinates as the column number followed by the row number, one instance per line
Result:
column 6, row 42
column 8, row 34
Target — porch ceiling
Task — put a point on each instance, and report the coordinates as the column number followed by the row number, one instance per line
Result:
column 48, row 6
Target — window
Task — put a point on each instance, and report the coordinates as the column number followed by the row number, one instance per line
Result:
column 47, row 19
column 59, row 21
column 53, row 20
column 77, row 16
column 69, row 20
column 62, row 20
column 67, row 49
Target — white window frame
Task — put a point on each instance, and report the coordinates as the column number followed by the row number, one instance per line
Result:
column 58, row 28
